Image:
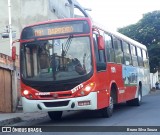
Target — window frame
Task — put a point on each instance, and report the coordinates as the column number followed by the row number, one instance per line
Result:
column 109, row 50
column 140, row 58
column 134, row 56
column 118, row 50
column 126, row 54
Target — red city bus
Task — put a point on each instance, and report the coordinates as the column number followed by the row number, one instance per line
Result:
column 71, row 64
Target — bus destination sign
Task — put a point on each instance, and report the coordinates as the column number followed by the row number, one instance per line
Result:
column 53, row 31
column 56, row 29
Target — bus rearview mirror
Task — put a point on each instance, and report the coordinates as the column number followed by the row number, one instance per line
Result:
column 13, row 53
column 14, row 49
column 100, row 43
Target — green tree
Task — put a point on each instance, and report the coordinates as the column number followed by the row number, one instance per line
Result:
column 147, row 32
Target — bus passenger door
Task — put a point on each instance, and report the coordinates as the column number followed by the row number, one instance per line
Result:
column 101, row 79
column 100, row 57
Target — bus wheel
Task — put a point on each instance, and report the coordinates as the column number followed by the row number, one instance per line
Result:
column 137, row 101
column 108, row 111
column 55, row 115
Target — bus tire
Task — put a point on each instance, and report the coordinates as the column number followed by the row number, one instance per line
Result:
column 55, row 115
column 137, row 101
column 108, row 111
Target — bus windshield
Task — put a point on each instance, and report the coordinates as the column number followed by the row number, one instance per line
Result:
column 56, row 59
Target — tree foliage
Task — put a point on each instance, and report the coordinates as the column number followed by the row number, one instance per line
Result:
column 147, row 32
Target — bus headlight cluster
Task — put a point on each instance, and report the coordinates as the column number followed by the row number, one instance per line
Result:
column 86, row 90
column 27, row 94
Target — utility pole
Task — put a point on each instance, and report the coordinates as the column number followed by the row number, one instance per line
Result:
column 71, row 2
column 14, row 78
column 10, row 25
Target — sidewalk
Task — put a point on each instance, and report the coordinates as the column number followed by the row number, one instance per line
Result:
column 12, row 118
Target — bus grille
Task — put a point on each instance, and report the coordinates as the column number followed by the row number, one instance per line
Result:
column 56, row 104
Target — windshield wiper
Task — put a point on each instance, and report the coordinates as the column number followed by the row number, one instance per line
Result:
column 65, row 48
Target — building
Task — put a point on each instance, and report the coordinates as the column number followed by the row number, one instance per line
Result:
column 25, row 12
column 9, row 84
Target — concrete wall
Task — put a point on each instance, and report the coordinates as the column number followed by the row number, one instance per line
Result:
column 25, row 12
column 154, row 79
column 59, row 9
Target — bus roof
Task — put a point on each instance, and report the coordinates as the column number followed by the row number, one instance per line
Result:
column 59, row 20
column 121, row 36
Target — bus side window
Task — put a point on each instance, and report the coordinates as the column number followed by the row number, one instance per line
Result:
column 28, row 56
column 134, row 56
column 127, row 55
column 109, row 48
column 95, row 47
column 102, row 56
column 140, row 59
column 145, row 60
column 118, row 50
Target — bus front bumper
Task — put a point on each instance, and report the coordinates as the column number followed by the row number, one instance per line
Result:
column 88, row 102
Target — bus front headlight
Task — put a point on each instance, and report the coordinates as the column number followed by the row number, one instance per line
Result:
column 27, row 94
column 86, row 90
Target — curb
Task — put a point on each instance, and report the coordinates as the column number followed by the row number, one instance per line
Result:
column 10, row 121
column 154, row 91
column 23, row 120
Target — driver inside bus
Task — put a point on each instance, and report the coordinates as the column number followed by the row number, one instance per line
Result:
column 74, row 64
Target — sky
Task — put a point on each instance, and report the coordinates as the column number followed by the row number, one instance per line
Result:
column 115, row 14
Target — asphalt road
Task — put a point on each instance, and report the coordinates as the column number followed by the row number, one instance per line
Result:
column 148, row 114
